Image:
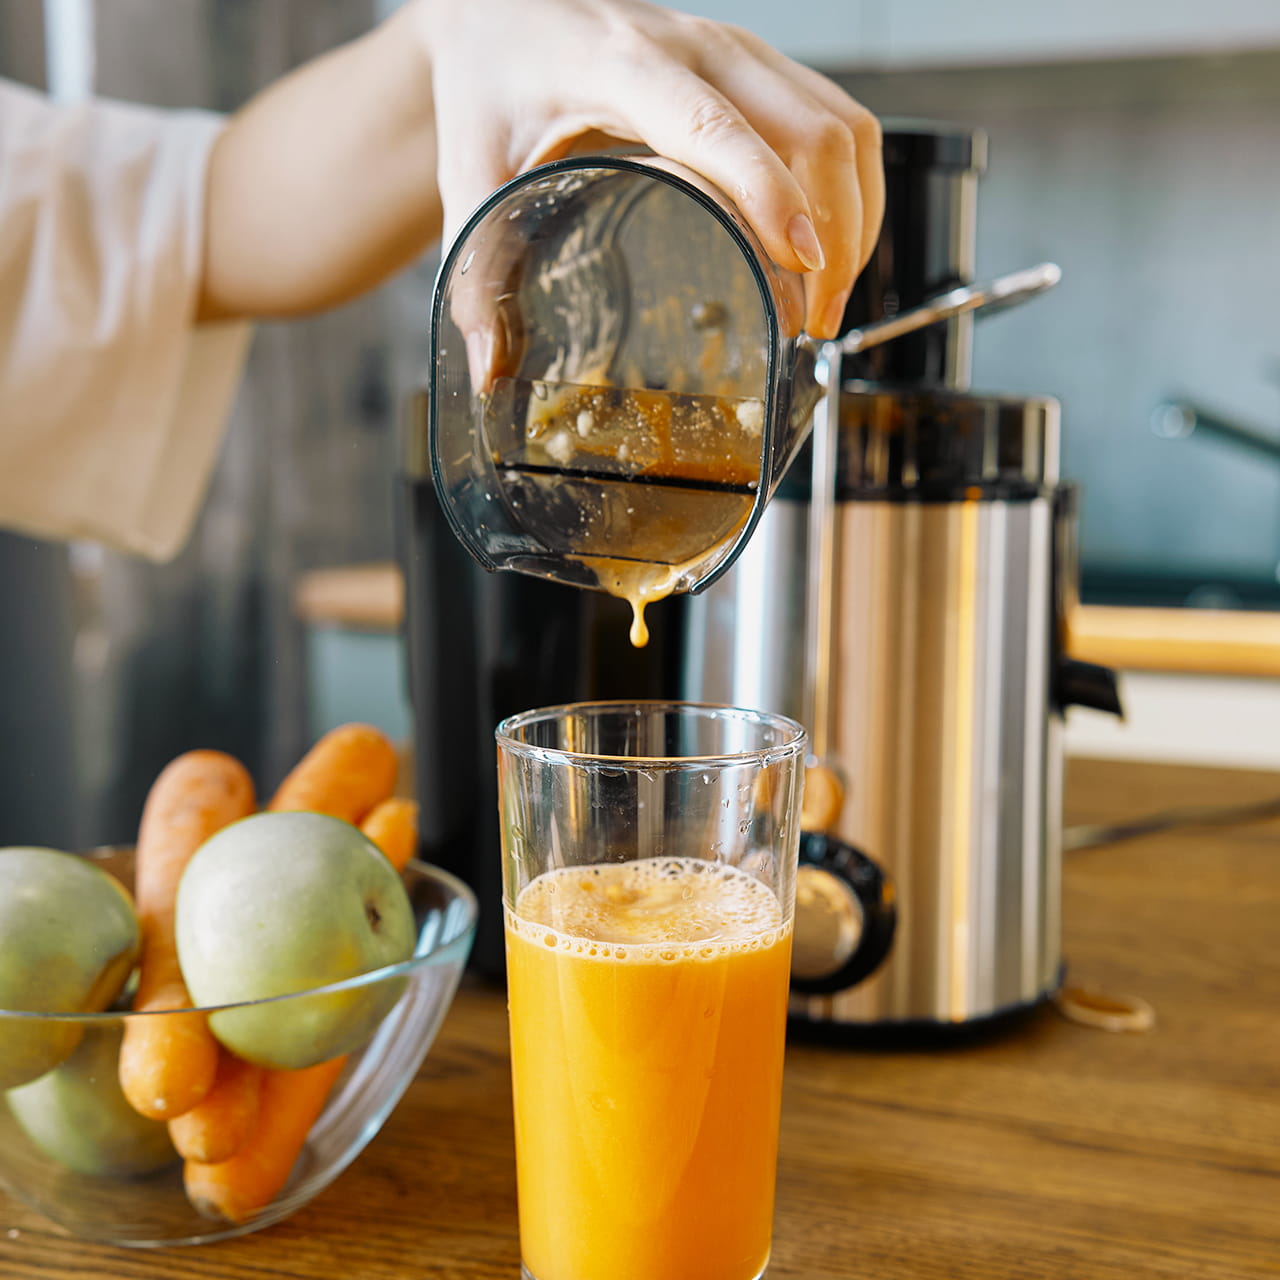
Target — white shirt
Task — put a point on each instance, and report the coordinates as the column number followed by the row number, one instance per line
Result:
column 112, row 402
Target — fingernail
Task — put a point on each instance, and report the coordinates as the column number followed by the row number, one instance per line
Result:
column 804, row 240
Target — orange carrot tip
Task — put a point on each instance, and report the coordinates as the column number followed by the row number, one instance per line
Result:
column 393, row 827
column 225, row 1118
column 346, row 774
column 235, row 1190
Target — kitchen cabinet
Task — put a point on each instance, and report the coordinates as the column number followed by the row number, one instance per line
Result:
column 1050, row 1149
column 852, row 35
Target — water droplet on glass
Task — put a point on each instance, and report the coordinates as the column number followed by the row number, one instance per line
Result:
column 466, row 263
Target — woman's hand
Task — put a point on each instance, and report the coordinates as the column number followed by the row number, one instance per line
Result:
column 519, row 82
column 349, row 167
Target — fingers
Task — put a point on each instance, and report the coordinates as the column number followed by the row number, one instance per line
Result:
column 679, row 114
column 484, row 284
column 797, row 155
column 469, row 167
column 832, row 146
column 864, row 127
column 799, row 158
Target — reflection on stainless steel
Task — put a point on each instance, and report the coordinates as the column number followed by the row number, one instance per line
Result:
column 828, row 924
column 951, row 795
column 940, row 703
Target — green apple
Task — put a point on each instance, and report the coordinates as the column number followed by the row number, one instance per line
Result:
column 77, row 1115
column 69, row 939
column 282, row 902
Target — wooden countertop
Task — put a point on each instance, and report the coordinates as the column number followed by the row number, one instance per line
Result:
column 1050, row 1151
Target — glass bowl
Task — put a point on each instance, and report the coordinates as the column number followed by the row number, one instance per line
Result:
column 152, row 1209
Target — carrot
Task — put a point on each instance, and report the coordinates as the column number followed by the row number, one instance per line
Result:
column 350, row 770
column 168, row 1063
column 393, row 827
column 225, row 1118
column 237, row 1188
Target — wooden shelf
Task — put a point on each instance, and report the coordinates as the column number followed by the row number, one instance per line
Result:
column 363, row 597
column 1199, row 641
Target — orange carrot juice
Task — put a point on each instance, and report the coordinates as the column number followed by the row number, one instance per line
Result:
column 648, row 1012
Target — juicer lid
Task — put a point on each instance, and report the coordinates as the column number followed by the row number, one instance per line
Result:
column 931, row 144
column 938, row 444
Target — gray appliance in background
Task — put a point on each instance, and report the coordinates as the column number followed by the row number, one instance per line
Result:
column 109, row 665
column 944, row 678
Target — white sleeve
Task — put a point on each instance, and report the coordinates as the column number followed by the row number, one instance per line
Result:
column 112, row 401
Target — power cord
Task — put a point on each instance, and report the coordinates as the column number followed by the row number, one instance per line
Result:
column 1090, row 835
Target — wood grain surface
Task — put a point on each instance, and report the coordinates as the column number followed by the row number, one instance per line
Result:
column 1229, row 642
column 1049, row 1150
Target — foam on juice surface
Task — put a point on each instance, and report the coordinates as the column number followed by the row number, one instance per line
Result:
column 650, row 909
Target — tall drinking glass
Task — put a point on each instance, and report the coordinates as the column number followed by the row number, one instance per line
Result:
column 649, row 862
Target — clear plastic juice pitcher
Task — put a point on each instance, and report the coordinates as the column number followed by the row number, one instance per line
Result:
column 617, row 381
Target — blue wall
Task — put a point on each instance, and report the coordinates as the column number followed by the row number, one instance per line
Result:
column 1156, row 186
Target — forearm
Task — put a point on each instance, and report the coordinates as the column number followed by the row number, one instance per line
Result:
column 331, row 180
column 324, row 184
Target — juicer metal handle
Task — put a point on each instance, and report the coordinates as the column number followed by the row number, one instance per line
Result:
column 845, row 913
column 820, row 573
column 1004, row 291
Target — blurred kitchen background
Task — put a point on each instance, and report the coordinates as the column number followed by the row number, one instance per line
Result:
column 1136, row 145
column 116, row 665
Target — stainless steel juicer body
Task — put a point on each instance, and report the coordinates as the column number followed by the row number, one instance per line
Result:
column 950, row 569
column 940, row 713
column 927, row 587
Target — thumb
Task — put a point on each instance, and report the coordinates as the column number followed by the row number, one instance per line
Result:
column 485, row 275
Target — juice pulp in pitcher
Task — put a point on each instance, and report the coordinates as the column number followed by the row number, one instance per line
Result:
column 644, row 487
column 648, row 1008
